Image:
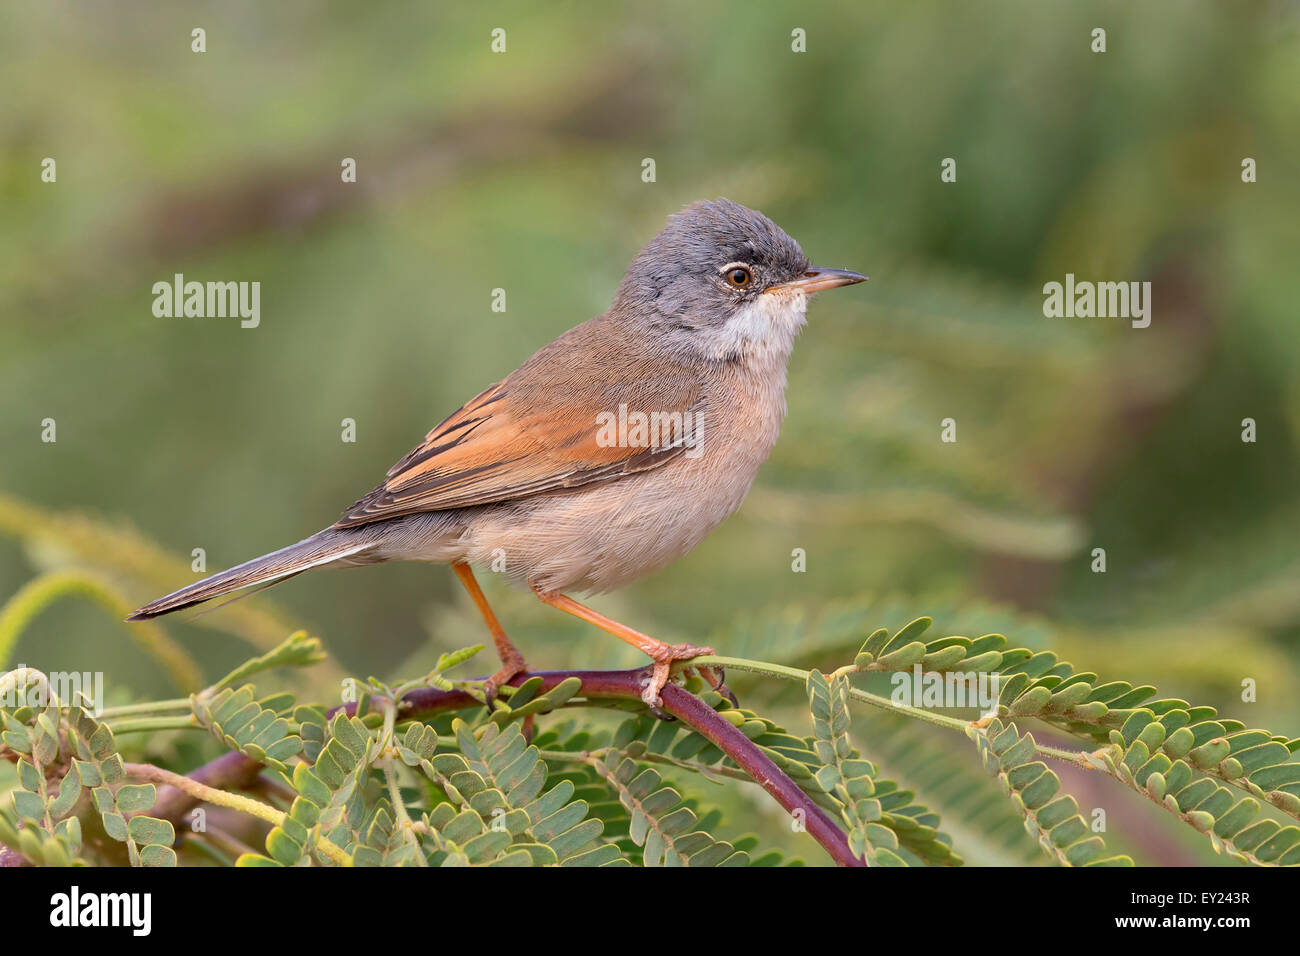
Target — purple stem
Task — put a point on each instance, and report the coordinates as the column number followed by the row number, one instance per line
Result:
column 234, row 770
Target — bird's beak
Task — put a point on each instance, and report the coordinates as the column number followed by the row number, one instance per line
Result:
column 814, row 280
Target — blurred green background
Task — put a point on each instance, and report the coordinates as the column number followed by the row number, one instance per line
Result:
column 522, row 171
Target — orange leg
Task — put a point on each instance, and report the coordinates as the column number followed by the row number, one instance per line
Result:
column 662, row 653
column 512, row 662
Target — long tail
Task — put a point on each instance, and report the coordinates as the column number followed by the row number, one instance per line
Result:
column 323, row 548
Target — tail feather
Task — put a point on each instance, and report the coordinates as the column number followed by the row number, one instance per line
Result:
column 319, row 549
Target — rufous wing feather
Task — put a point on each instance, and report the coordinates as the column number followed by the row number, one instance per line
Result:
column 516, row 440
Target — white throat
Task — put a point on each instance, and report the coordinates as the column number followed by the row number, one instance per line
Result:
column 763, row 332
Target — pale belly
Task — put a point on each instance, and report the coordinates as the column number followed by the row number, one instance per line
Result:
column 604, row 536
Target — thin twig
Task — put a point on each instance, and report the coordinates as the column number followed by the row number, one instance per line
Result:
column 232, row 801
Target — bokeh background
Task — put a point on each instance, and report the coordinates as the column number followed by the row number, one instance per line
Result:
column 522, row 171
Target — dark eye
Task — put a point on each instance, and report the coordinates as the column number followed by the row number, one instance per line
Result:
column 738, row 276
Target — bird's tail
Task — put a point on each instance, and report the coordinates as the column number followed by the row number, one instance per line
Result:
column 324, row 548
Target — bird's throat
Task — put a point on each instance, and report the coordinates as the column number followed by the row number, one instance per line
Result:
column 762, row 333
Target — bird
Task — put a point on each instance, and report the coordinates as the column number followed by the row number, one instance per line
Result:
column 609, row 454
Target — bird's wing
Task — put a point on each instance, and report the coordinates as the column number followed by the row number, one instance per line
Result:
column 515, row 440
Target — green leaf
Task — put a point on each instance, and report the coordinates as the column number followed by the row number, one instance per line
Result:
column 297, row 650
column 146, row 830
column 136, row 798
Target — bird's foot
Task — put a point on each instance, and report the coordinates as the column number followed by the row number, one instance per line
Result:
column 664, row 658
column 511, row 667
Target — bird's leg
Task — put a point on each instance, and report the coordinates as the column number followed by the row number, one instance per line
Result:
column 663, row 655
column 512, row 662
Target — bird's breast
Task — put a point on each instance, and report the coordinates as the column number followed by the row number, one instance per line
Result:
column 605, row 535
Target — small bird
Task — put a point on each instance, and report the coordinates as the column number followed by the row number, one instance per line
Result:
column 609, row 454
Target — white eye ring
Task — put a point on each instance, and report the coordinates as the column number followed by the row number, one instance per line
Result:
column 738, row 275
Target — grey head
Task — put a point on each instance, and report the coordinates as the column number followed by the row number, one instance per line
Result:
column 720, row 281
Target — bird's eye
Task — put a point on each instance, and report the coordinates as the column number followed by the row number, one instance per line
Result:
column 738, row 276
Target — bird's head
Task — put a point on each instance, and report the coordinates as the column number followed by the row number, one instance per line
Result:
column 723, row 281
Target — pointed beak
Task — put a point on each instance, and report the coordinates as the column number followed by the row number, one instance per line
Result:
column 815, row 280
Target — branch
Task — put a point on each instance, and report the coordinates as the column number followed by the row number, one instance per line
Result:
column 234, row 770
column 233, row 801
column 230, row 771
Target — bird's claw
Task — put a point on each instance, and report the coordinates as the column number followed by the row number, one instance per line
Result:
column 661, row 671
column 659, row 712
column 510, row 669
column 716, row 678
